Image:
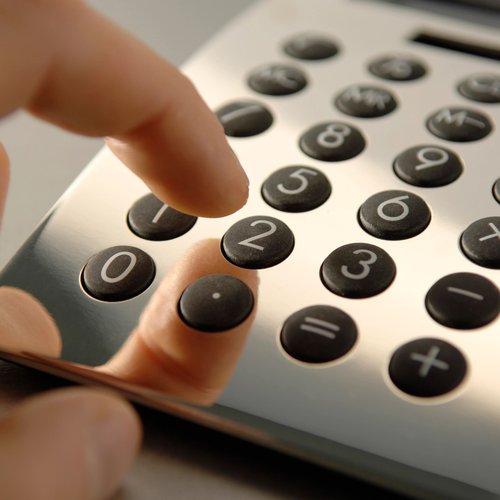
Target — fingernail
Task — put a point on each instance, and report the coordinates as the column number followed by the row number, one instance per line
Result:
column 113, row 439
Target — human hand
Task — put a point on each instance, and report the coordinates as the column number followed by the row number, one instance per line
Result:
column 67, row 65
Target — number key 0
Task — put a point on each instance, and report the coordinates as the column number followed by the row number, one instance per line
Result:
column 257, row 242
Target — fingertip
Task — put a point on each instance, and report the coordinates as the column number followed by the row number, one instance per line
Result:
column 4, row 178
column 25, row 324
column 191, row 169
column 71, row 443
column 164, row 353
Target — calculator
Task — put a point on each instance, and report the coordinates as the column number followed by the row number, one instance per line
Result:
column 370, row 134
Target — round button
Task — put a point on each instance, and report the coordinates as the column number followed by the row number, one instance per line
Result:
column 358, row 270
column 244, row 118
column 481, row 242
column 496, row 190
column 332, row 141
column 459, row 124
column 427, row 368
column 277, row 80
column 366, row 101
column 296, row 189
column 118, row 273
column 394, row 215
column 398, row 68
column 428, row 166
column 481, row 87
column 151, row 219
column 311, row 47
column 215, row 303
column 257, row 242
column 318, row 334
column 463, row 301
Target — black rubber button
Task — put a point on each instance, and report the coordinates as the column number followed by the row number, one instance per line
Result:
column 257, row 242
column 244, row 118
column 459, row 124
column 496, row 190
column 296, row 189
column 481, row 87
column 481, row 242
column 151, row 219
column 366, row 101
column 400, row 68
column 394, row 215
column 318, row 334
column 277, row 80
column 358, row 270
column 463, row 301
column 215, row 303
column 427, row 367
column 118, row 273
column 332, row 141
column 428, row 166
column 311, row 47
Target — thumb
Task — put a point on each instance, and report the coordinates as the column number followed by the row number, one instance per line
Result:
column 71, row 443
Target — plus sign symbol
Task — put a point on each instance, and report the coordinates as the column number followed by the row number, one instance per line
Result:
column 427, row 368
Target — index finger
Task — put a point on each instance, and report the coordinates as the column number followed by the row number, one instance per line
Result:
column 69, row 65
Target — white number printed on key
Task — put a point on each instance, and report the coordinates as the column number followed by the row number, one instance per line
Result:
column 398, row 201
column 333, row 136
column 365, row 264
column 124, row 274
column 248, row 241
column 425, row 162
column 297, row 174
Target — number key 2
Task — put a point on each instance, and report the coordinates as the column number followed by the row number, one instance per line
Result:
column 257, row 242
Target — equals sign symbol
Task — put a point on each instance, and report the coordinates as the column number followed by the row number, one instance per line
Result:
column 320, row 327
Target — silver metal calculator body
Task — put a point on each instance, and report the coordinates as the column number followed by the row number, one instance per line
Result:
column 352, row 412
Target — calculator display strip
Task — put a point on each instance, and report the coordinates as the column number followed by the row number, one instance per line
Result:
column 457, row 45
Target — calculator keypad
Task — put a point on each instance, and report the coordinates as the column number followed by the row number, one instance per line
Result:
column 463, row 301
column 364, row 101
column 118, row 273
column 257, row 242
column 332, row 141
column 277, row 80
column 482, row 88
column 205, row 303
column 481, row 242
column 459, row 124
column 394, row 215
column 358, row 270
column 427, row 367
column 151, row 219
column 397, row 68
column 318, row 334
column 244, row 118
column 428, row 166
column 296, row 189
column 311, row 47
column 496, row 190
